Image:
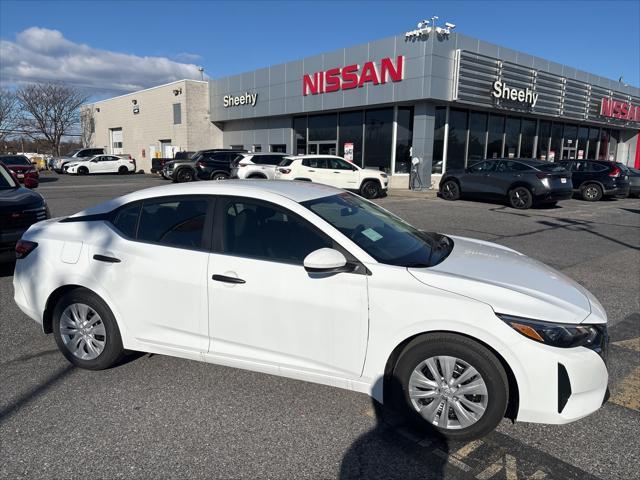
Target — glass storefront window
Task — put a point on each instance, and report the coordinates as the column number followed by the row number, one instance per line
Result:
column 404, row 139
column 613, row 144
column 496, row 131
column 350, row 131
column 511, row 138
column 457, row 139
column 583, row 137
column 377, row 138
column 527, row 138
column 477, row 136
column 570, row 135
column 438, row 139
column 555, row 151
column 323, row 127
column 300, row 135
column 594, row 133
column 604, row 144
column 544, row 135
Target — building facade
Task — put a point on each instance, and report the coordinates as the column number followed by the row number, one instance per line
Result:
column 445, row 99
column 156, row 122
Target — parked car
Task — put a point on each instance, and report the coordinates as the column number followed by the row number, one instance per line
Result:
column 522, row 182
column 634, row 182
column 22, row 167
column 334, row 171
column 157, row 164
column 452, row 330
column 101, row 164
column 596, row 179
column 256, row 165
column 213, row 164
column 59, row 162
column 20, row 208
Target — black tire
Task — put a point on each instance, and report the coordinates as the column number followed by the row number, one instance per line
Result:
column 370, row 189
column 591, row 192
column 83, row 171
column 113, row 350
column 450, row 190
column 467, row 350
column 219, row 176
column 184, row 175
column 520, row 198
column 123, row 170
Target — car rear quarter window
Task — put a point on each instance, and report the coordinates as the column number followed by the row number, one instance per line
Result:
column 267, row 159
column 126, row 219
column 174, row 223
column 286, row 162
column 483, row 167
column 552, row 167
column 509, row 166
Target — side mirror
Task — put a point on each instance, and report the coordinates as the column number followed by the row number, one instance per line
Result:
column 30, row 182
column 95, row 160
column 325, row 260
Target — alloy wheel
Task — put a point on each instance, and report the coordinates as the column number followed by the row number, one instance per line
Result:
column 591, row 192
column 82, row 331
column 519, row 198
column 450, row 190
column 448, row 392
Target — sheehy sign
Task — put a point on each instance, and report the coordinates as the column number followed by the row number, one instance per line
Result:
column 502, row 90
column 352, row 76
column 620, row 110
column 246, row 98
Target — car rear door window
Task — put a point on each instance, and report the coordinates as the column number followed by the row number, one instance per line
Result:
column 264, row 231
column 315, row 162
column 337, row 164
column 510, row 166
column 482, row 167
column 175, row 223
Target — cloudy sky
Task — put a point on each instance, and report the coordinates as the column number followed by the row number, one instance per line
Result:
column 113, row 47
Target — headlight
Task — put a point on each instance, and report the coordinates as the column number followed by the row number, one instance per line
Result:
column 383, row 175
column 559, row 335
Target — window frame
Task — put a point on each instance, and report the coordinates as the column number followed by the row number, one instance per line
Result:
column 219, row 234
column 206, row 242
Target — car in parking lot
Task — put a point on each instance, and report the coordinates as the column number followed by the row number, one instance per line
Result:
column 594, row 180
column 522, row 182
column 634, row 182
column 22, row 167
column 101, row 164
column 311, row 282
column 334, row 171
column 212, row 164
column 58, row 163
column 20, row 208
column 256, row 165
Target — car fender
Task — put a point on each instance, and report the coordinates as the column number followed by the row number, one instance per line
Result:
column 597, row 182
column 366, row 179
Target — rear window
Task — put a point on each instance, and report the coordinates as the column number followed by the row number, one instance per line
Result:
column 286, row 162
column 551, row 167
column 15, row 160
column 267, row 159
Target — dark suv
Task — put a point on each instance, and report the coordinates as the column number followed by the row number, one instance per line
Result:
column 213, row 164
column 595, row 179
column 522, row 182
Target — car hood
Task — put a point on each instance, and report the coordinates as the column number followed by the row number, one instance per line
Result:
column 73, row 164
column 12, row 199
column 371, row 171
column 511, row 283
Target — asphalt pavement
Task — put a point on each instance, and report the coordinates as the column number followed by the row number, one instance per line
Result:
column 161, row 417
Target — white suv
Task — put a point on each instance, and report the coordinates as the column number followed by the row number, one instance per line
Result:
column 256, row 165
column 334, row 171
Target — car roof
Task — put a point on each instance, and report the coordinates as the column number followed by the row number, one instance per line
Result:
column 269, row 190
column 265, row 153
column 300, row 157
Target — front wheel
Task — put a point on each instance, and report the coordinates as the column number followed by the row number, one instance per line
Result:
column 520, row 198
column 370, row 189
column 451, row 384
column 83, row 171
column 185, row 175
column 86, row 331
column 451, row 190
column 219, row 176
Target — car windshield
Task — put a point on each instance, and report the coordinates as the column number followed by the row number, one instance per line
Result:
column 72, row 153
column 6, row 180
column 385, row 237
column 551, row 167
column 15, row 160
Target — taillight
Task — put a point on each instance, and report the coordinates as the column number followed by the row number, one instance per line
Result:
column 24, row 248
column 284, row 170
column 615, row 172
column 200, row 163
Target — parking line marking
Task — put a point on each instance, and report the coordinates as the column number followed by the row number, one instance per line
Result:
column 452, row 460
column 510, row 469
column 468, row 449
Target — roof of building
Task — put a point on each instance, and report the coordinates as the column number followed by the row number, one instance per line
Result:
column 137, row 92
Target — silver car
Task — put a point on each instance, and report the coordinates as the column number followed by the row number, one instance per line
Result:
column 256, row 165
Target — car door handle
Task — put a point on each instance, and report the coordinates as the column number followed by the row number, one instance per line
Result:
column 225, row 279
column 310, row 170
column 104, row 258
column 336, row 172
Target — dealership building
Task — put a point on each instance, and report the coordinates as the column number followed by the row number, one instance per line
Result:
column 433, row 95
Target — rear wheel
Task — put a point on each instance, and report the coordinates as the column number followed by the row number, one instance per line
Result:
column 86, row 331
column 591, row 192
column 520, row 198
column 452, row 384
column 185, row 175
column 451, row 190
column 219, row 176
column 370, row 189
column 123, row 170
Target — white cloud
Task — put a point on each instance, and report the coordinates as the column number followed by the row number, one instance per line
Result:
column 42, row 55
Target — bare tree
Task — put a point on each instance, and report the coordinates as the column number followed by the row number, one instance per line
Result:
column 87, row 124
column 8, row 113
column 50, row 110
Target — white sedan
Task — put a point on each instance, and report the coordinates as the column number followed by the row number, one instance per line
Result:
column 315, row 283
column 101, row 164
column 334, row 171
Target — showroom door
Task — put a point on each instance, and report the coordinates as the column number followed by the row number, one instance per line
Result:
column 323, row 148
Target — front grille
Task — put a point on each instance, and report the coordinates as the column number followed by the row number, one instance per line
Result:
column 23, row 219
